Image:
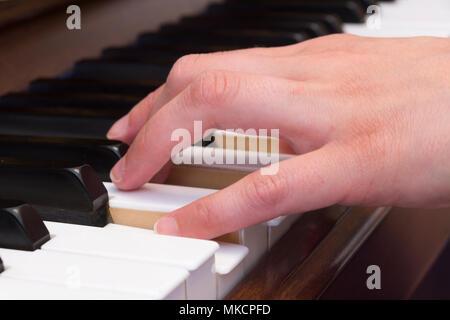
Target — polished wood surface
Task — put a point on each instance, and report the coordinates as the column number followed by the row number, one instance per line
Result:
column 287, row 254
column 312, row 252
column 16, row 11
column 327, row 258
column 406, row 246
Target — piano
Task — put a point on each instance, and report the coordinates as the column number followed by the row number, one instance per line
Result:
column 67, row 233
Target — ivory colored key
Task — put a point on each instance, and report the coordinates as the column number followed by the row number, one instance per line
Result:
column 254, row 238
column 229, row 263
column 16, row 289
column 230, row 267
column 141, row 208
column 239, row 141
column 142, row 279
column 228, row 165
column 235, row 155
column 197, row 256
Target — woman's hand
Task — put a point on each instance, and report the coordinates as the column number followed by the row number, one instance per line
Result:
column 369, row 117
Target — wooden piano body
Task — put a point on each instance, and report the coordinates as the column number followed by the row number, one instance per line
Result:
column 325, row 254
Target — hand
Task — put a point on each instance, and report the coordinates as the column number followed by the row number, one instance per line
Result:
column 369, row 117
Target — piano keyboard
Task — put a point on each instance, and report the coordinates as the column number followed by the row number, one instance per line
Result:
column 96, row 241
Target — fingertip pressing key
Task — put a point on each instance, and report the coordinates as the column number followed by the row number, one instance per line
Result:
column 118, row 171
column 167, row 226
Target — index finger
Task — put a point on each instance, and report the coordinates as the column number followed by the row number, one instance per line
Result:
column 221, row 100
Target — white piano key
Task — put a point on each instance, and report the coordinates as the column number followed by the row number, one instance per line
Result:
column 255, row 239
column 229, row 267
column 140, row 279
column 164, row 198
column 394, row 30
column 155, row 197
column 16, row 289
column 432, row 11
column 197, row 256
column 224, row 158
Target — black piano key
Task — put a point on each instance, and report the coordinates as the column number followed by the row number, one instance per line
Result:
column 2, row 268
column 242, row 38
column 21, row 227
column 133, row 53
column 231, row 22
column 101, row 155
column 189, row 48
column 366, row 3
column 277, row 20
column 111, row 69
column 29, row 115
column 84, row 86
column 164, row 61
column 59, row 191
column 69, row 100
column 27, row 122
column 141, row 53
column 311, row 29
column 347, row 10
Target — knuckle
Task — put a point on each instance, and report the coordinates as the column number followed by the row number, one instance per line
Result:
column 371, row 146
column 182, row 69
column 214, row 88
column 266, row 191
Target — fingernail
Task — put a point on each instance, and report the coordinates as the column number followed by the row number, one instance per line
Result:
column 118, row 129
column 118, row 171
column 167, row 225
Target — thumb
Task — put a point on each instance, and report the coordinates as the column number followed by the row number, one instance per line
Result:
column 307, row 182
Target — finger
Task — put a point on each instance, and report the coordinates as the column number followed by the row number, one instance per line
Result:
column 183, row 71
column 224, row 100
column 126, row 128
column 283, row 62
column 317, row 179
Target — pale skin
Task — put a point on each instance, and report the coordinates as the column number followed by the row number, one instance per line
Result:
column 369, row 118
